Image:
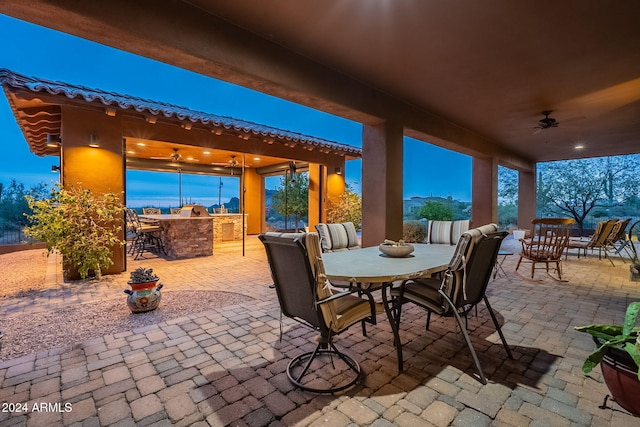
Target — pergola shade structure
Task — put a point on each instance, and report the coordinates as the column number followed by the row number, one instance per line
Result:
column 99, row 134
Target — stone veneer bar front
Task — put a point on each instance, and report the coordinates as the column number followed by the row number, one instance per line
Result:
column 189, row 237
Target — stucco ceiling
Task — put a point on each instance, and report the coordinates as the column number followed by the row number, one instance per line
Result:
column 489, row 67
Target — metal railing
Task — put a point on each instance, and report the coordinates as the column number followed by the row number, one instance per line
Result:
column 11, row 235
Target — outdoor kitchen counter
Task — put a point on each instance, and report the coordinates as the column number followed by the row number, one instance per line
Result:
column 184, row 236
column 193, row 236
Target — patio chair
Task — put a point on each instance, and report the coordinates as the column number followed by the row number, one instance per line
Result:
column 549, row 240
column 175, row 211
column 145, row 236
column 151, row 211
column 462, row 287
column 617, row 240
column 597, row 240
column 304, row 295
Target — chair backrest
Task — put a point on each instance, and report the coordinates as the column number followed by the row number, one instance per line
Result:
column 470, row 268
column 619, row 231
column 602, row 232
column 550, row 238
column 295, row 278
column 336, row 237
column 132, row 219
column 150, row 211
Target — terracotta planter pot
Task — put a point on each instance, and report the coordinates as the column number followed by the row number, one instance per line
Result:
column 143, row 297
column 620, row 373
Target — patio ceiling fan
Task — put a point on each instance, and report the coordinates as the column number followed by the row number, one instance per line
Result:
column 546, row 123
column 174, row 157
column 231, row 163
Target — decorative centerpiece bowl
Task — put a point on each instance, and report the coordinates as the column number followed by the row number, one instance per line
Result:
column 397, row 249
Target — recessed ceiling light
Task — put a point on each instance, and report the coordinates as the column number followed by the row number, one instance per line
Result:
column 206, row 152
column 141, row 144
column 257, row 159
column 131, row 152
column 579, row 147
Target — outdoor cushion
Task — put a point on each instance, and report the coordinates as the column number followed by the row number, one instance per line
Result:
column 446, row 232
column 440, row 232
column 352, row 236
column 457, row 228
column 337, row 237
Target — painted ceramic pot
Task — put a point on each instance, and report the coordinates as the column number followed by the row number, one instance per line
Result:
column 143, row 297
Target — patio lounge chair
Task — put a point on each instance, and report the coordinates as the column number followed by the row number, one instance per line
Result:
column 462, row 287
column 304, row 295
column 550, row 238
column 597, row 240
column 617, row 240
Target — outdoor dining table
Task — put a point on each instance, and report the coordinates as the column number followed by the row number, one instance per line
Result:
column 369, row 269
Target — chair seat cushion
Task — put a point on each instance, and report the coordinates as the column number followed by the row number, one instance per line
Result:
column 350, row 309
column 424, row 292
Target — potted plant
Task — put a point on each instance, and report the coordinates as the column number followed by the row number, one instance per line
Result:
column 618, row 354
column 144, row 295
column 81, row 225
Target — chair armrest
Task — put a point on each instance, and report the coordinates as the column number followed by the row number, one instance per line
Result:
column 372, row 303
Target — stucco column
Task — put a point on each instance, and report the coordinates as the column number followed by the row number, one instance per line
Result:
column 526, row 198
column 382, row 150
column 484, row 191
column 99, row 169
column 317, row 195
column 253, row 200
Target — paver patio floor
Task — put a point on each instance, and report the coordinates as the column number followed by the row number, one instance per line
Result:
column 227, row 366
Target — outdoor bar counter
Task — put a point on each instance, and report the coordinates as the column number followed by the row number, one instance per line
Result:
column 194, row 236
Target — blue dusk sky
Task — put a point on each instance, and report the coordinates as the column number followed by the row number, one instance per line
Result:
column 43, row 53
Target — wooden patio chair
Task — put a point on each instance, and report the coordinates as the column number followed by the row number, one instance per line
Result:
column 549, row 240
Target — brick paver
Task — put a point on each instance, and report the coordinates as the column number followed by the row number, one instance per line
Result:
column 227, row 365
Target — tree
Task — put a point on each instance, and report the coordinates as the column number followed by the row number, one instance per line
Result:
column 293, row 198
column 348, row 208
column 436, row 211
column 576, row 187
column 14, row 206
column 507, row 197
column 81, row 225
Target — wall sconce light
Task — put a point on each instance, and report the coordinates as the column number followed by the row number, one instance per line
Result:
column 93, row 141
column 55, row 168
column 53, row 141
column 338, row 171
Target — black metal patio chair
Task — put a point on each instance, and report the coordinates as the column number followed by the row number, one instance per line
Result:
column 305, row 296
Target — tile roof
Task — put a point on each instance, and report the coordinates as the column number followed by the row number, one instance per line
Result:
column 13, row 82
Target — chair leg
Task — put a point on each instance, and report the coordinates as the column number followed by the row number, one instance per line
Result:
column 466, row 337
column 428, row 320
column 495, row 322
column 518, row 264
